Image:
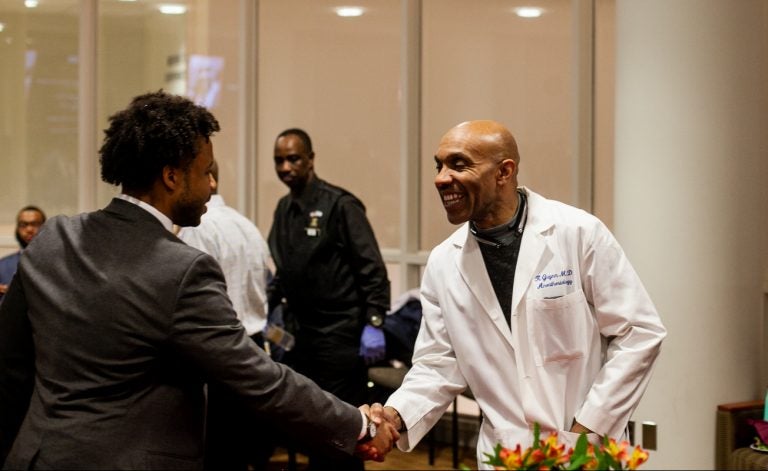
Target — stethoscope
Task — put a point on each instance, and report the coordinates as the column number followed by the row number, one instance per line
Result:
column 520, row 226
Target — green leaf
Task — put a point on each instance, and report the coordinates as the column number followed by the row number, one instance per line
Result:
column 582, row 445
column 577, row 463
column 493, row 459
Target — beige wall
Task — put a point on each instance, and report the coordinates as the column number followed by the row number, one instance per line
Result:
column 336, row 78
column 317, row 71
column 691, row 199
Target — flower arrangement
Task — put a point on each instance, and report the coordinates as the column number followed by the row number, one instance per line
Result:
column 549, row 454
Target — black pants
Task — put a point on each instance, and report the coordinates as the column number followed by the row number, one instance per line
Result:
column 334, row 364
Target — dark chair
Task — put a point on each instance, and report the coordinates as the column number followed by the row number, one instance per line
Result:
column 734, row 435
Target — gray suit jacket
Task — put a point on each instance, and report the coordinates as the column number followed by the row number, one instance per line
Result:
column 110, row 329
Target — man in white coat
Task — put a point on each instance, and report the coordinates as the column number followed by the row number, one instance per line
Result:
column 531, row 303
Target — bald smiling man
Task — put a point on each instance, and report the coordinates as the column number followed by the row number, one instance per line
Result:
column 531, row 304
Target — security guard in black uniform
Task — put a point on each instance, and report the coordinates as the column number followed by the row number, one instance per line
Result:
column 330, row 276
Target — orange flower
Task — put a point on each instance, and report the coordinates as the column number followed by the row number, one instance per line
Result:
column 639, row 456
column 512, row 459
column 591, row 465
column 551, row 440
column 617, row 451
column 555, row 451
column 537, row 456
column 548, row 454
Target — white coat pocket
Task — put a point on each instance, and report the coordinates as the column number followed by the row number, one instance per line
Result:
column 511, row 437
column 560, row 328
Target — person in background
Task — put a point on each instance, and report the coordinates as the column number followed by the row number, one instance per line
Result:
column 331, row 276
column 28, row 223
column 237, row 244
column 531, row 303
column 112, row 325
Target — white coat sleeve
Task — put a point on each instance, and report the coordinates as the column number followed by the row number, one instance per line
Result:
column 434, row 380
column 629, row 321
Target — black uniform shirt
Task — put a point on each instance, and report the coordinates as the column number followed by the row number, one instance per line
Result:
column 328, row 262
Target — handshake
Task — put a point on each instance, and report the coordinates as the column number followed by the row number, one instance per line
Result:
column 382, row 431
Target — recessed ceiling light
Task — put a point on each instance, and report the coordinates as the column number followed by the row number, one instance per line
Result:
column 529, row 12
column 349, row 11
column 31, row 3
column 172, row 9
column 2, row 27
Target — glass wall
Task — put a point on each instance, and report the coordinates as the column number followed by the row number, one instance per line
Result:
column 375, row 91
column 38, row 116
column 146, row 46
column 483, row 60
column 605, row 66
column 337, row 78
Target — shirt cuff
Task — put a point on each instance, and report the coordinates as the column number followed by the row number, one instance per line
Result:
column 365, row 426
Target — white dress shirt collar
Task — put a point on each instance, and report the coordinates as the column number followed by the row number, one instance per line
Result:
column 164, row 220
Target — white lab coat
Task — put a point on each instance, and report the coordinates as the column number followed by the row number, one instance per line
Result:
column 584, row 334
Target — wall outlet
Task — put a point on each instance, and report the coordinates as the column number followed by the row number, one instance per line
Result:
column 649, row 435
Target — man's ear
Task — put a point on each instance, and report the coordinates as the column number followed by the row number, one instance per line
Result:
column 171, row 178
column 507, row 169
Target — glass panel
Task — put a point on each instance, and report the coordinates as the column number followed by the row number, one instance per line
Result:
column 38, row 117
column 395, row 285
column 193, row 53
column 337, row 78
column 605, row 90
column 482, row 61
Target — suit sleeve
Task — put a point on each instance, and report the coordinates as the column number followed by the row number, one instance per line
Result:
column 17, row 364
column 365, row 256
column 205, row 330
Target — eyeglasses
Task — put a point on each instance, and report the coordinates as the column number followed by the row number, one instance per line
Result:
column 24, row 224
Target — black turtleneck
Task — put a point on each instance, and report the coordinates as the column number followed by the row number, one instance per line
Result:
column 500, row 247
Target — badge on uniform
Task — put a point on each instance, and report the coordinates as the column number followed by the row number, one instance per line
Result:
column 313, row 230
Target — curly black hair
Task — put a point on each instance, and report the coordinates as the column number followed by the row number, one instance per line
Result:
column 157, row 129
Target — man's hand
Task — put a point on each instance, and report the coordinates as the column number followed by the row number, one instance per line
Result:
column 3, row 289
column 391, row 415
column 578, row 428
column 386, row 435
column 373, row 347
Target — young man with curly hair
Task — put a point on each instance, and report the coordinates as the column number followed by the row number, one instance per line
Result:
column 113, row 325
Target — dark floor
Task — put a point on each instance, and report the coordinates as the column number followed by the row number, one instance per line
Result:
column 417, row 459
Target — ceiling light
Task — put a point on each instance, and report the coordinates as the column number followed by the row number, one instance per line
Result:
column 349, row 11
column 2, row 27
column 31, row 3
column 172, row 9
column 529, row 12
